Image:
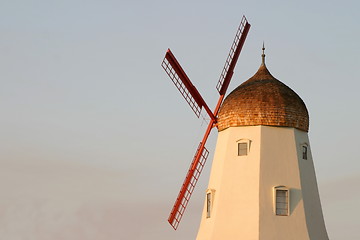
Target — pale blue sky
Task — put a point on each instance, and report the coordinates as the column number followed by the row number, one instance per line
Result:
column 95, row 140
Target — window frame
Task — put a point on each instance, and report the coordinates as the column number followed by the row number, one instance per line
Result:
column 277, row 201
column 209, row 198
column 304, row 151
column 242, row 151
column 248, row 146
column 208, row 205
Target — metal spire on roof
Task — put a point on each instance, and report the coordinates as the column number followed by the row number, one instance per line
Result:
column 263, row 54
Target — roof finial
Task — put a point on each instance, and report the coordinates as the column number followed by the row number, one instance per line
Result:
column 263, row 54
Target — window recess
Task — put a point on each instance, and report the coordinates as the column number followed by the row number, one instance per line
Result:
column 281, row 201
column 209, row 202
column 304, row 151
column 243, row 147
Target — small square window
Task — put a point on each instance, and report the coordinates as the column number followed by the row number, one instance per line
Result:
column 242, row 149
column 304, row 152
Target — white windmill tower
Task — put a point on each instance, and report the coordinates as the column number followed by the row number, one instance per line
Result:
column 262, row 184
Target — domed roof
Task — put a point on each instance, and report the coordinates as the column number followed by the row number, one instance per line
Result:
column 263, row 100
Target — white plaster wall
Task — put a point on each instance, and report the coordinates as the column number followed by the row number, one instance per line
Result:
column 243, row 203
column 235, row 180
column 313, row 211
column 279, row 167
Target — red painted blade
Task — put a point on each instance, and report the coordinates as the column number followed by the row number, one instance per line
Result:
column 196, row 102
column 184, row 85
column 188, row 186
column 233, row 56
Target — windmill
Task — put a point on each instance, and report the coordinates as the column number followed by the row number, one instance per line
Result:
column 196, row 102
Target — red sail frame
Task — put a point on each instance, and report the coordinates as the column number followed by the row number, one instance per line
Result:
column 194, row 99
column 188, row 186
column 184, row 85
column 233, row 56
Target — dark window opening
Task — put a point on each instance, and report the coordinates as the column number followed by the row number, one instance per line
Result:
column 242, row 149
column 208, row 204
column 304, row 152
column 282, row 202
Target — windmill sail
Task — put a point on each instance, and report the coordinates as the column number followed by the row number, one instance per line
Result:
column 188, row 186
column 184, row 85
column 196, row 102
column 233, row 56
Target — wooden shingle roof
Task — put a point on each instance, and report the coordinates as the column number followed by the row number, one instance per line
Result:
column 263, row 100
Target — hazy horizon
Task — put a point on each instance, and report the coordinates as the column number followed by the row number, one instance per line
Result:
column 95, row 139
